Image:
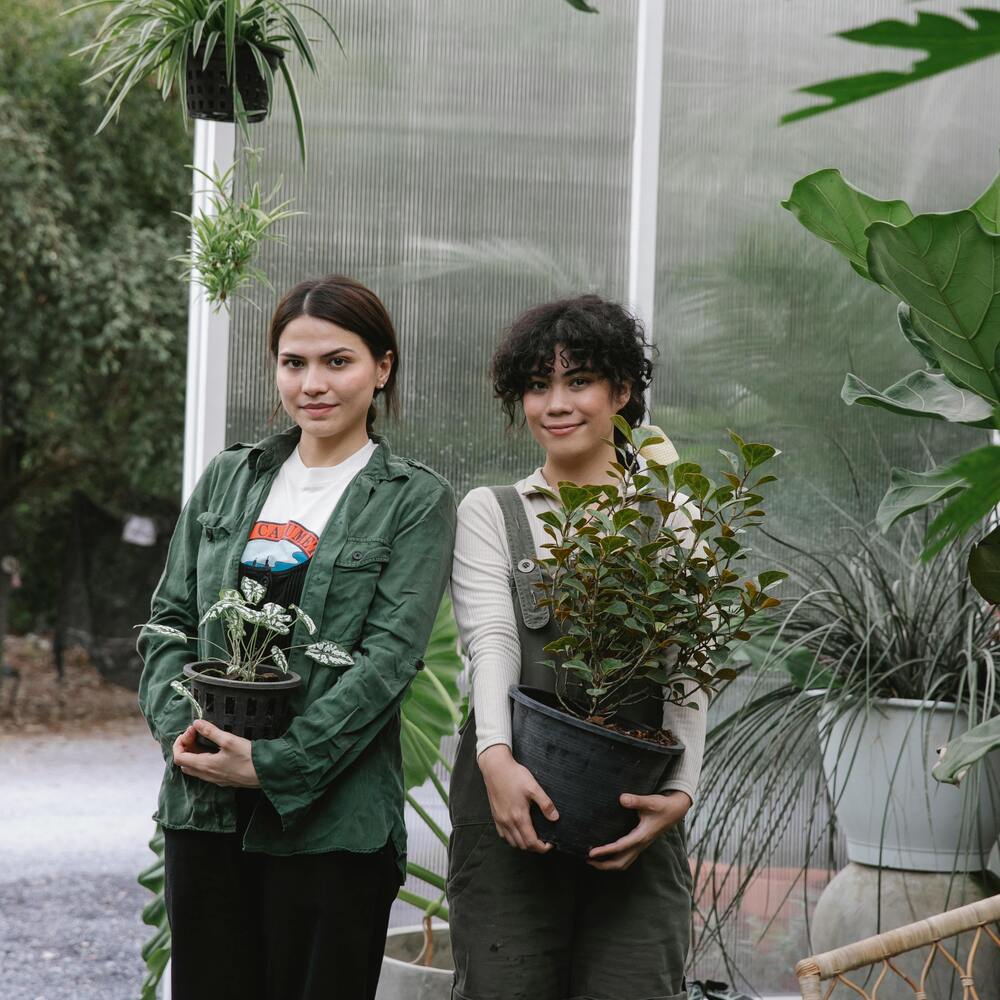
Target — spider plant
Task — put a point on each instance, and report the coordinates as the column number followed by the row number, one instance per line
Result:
column 872, row 621
column 139, row 38
column 227, row 235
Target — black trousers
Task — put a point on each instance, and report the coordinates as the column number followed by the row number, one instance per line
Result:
column 248, row 926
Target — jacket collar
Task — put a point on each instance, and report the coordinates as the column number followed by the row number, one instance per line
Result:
column 533, row 485
column 270, row 453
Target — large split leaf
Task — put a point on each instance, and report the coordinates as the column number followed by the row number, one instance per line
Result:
column 912, row 491
column 960, row 754
column 947, row 267
column 947, row 42
column 922, row 394
column 430, row 711
column 980, row 469
column 839, row 214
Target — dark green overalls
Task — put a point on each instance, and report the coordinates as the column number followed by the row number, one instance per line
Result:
column 528, row 926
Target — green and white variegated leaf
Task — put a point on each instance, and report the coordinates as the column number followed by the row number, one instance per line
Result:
column 329, row 654
column 165, row 630
column 304, row 618
column 279, row 659
column 922, row 394
column 912, row 491
column 253, row 590
column 228, row 608
column 274, row 618
column 185, row 693
column 947, row 267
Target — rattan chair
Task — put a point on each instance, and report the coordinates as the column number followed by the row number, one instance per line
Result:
column 820, row 975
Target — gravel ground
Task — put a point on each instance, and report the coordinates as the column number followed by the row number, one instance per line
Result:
column 74, row 826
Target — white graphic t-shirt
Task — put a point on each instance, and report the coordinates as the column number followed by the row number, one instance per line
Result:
column 295, row 513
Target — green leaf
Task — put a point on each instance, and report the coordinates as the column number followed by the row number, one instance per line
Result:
column 987, row 207
column 757, row 454
column 769, row 577
column 574, row 497
column 912, row 491
column 582, row 6
column 984, row 567
column 616, row 608
column 922, row 394
column 948, row 269
column 980, row 470
column 916, row 339
column 956, row 757
column 947, row 42
column 839, row 214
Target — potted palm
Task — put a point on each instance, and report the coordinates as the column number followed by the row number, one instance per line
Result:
column 246, row 691
column 226, row 53
column 640, row 578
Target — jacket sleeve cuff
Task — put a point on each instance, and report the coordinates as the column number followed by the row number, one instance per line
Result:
column 280, row 779
column 678, row 786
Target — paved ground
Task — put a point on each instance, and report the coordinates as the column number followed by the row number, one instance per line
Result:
column 74, row 827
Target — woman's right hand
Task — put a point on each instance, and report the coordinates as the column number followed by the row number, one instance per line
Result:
column 512, row 788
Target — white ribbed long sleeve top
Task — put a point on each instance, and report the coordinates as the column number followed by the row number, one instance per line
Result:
column 484, row 611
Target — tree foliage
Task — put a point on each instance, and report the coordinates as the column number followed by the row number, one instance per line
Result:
column 92, row 357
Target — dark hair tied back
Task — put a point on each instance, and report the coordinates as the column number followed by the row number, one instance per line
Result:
column 353, row 307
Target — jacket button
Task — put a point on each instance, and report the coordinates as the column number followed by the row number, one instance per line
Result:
column 356, row 556
column 525, row 565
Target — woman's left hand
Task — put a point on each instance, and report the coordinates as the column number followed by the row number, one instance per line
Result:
column 656, row 814
column 232, row 766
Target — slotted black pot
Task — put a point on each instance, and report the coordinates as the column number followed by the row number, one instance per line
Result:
column 255, row 710
column 210, row 94
column 583, row 768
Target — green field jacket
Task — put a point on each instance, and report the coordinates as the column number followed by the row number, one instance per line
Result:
column 334, row 780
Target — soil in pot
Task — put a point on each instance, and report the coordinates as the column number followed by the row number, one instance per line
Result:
column 255, row 710
column 584, row 768
column 210, row 94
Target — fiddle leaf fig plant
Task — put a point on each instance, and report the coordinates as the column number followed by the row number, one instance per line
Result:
column 641, row 576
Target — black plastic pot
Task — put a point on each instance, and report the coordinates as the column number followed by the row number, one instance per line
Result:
column 210, row 94
column 583, row 768
column 255, row 710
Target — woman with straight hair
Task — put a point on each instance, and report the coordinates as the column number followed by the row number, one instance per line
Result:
column 529, row 923
column 283, row 856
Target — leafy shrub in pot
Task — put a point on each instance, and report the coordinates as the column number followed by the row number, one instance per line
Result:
column 644, row 603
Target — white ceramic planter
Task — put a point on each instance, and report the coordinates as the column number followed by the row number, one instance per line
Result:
column 401, row 980
column 893, row 813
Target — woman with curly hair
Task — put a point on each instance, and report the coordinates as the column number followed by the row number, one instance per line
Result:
column 527, row 921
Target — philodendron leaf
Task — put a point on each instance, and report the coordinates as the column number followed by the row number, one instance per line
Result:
column 947, row 41
column 956, row 757
column 980, row 470
column 839, row 214
column 947, row 267
column 922, row 394
column 984, row 567
column 987, row 207
column 912, row 491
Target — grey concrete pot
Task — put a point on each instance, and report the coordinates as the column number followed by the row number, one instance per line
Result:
column 401, row 980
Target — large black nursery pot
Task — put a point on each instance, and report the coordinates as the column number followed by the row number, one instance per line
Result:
column 210, row 94
column 584, row 768
column 255, row 710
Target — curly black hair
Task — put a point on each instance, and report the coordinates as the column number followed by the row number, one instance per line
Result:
column 601, row 335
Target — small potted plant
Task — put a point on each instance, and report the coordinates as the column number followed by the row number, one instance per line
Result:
column 226, row 52
column 247, row 691
column 640, row 579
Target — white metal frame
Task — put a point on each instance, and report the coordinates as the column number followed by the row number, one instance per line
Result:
column 208, row 331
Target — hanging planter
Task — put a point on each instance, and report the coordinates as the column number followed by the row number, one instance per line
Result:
column 210, row 93
column 228, row 54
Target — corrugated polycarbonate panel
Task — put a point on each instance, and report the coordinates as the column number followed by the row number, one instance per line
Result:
column 466, row 161
column 757, row 321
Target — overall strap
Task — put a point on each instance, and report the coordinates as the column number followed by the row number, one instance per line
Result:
column 525, row 573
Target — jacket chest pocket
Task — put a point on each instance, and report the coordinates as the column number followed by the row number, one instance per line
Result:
column 352, row 586
column 213, row 548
